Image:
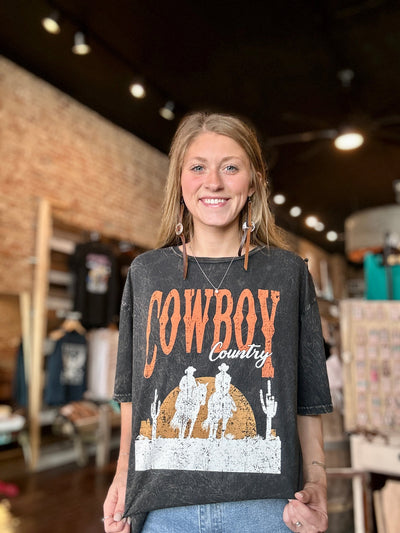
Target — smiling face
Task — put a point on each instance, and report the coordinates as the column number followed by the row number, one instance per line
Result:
column 215, row 180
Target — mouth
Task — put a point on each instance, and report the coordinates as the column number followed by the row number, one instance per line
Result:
column 214, row 201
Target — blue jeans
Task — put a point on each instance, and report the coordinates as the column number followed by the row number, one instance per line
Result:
column 261, row 516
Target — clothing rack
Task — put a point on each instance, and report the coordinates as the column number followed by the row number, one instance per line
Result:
column 71, row 323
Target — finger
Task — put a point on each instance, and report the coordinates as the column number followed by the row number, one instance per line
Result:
column 120, row 526
column 303, row 496
column 285, row 515
column 310, row 519
column 119, row 508
column 289, row 517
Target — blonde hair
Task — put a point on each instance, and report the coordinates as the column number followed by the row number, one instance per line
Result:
column 266, row 232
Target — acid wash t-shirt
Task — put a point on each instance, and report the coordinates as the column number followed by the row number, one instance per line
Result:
column 217, row 378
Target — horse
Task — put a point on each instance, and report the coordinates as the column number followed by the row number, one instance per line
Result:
column 187, row 408
column 220, row 406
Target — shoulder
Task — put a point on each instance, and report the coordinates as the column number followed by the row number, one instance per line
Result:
column 158, row 258
column 283, row 258
column 285, row 269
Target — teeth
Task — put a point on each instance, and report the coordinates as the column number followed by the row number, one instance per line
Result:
column 213, row 201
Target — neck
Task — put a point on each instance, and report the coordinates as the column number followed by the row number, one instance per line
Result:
column 215, row 243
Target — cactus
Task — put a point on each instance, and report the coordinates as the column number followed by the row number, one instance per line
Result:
column 155, row 411
column 269, row 407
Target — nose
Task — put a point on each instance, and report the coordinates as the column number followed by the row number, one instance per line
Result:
column 213, row 180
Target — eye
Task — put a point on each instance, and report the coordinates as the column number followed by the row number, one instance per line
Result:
column 197, row 168
column 231, row 169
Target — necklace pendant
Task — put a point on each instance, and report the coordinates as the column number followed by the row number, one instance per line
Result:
column 216, row 291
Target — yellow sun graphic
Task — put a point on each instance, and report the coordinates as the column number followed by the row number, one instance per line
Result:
column 241, row 424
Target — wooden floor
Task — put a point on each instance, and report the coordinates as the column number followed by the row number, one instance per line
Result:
column 66, row 499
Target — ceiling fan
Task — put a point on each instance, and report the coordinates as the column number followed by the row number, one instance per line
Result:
column 349, row 135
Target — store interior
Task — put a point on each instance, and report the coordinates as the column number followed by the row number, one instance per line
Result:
column 85, row 134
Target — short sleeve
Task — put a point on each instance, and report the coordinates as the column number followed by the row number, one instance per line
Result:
column 313, row 396
column 123, row 375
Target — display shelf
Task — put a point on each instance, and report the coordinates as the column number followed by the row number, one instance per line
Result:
column 371, row 357
column 370, row 332
column 375, row 454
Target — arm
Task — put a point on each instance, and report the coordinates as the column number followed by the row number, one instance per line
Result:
column 114, row 504
column 310, row 506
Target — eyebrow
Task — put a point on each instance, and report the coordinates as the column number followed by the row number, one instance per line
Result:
column 227, row 158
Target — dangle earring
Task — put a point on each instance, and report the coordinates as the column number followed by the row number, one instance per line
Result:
column 179, row 232
column 248, row 227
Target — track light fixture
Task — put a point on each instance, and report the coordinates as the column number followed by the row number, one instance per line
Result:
column 279, row 199
column 348, row 139
column 295, row 211
column 137, row 89
column 167, row 111
column 80, row 46
column 51, row 23
column 311, row 221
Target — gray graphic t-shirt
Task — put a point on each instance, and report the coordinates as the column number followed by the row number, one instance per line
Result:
column 217, row 378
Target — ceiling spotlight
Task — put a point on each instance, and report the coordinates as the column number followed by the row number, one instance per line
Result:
column 167, row 111
column 80, row 46
column 51, row 23
column 319, row 226
column 295, row 211
column 332, row 236
column 349, row 139
column 137, row 89
column 311, row 221
column 279, row 199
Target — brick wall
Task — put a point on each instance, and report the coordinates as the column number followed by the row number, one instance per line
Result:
column 98, row 177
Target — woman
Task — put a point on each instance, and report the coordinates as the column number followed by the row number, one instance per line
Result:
column 221, row 370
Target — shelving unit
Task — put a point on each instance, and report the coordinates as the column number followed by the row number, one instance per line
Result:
column 371, row 356
column 52, row 299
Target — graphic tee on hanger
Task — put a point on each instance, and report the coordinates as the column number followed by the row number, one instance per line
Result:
column 96, row 287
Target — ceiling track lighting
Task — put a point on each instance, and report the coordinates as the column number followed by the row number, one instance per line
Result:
column 137, row 89
column 167, row 111
column 348, row 139
column 51, row 23
column 311, row 221
column 295, row 211
column 80, row 46
column 279, row 199
column 332, row 236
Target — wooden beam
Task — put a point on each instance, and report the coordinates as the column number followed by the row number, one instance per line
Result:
column 40, row 290
column 25, row 312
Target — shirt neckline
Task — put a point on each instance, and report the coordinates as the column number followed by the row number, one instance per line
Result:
column 176, row 251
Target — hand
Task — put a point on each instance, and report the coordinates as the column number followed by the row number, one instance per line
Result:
column 114, row 505
column 308, row 512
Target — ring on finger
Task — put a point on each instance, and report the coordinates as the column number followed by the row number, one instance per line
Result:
column 105, row 517
column 298, row 523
